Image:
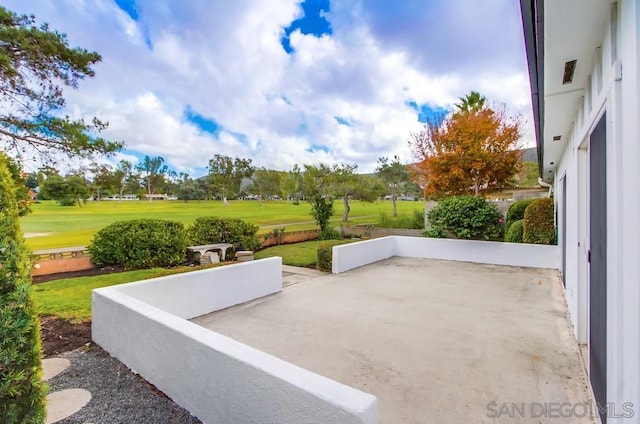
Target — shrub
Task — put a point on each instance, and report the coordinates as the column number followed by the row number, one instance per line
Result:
column 325, row 257
column 514, row 233
column 140, row 243
column 22, row 393
column 538, row 226
column 213, row 229
column 465, row 217
column 516, row 212
column 415, row 221
column 329, row 234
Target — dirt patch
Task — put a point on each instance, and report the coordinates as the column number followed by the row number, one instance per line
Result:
column 59, row 335
column 83, row 273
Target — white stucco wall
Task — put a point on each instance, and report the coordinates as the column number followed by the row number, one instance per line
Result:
column 197, row 293
column 619, row 97
column 216, row 378
column 353, row 255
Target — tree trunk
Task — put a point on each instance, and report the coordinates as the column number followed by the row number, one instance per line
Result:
column 347, row 208
column 394, row 198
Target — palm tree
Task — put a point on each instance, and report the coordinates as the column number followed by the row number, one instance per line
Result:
column 472, row 102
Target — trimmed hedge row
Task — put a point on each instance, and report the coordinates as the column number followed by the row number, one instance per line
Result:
column 514, row 234
column 325, row 257
column 22, row 392
column 148, row 243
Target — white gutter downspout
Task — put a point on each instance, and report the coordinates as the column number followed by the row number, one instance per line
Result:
column 543, row 184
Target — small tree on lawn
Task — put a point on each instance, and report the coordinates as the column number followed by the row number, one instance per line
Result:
column 317, row 180
column 395, row 174
column 22, row 393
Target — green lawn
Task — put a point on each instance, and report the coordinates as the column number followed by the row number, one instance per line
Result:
column 298, row 254
column 75, row 226
column 70, row 298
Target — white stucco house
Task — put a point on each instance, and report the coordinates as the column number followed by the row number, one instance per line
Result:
column 584, row 66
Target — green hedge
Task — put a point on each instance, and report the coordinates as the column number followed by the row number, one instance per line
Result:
column 516, row 212
column 514, row 233
column 213, row 229
column 538, row 223
column 140, row 243
column 22, row 392
column 465, row 217
column 325, row 257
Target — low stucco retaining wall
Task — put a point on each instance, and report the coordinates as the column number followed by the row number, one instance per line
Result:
column 353, row 255
column 217, row 379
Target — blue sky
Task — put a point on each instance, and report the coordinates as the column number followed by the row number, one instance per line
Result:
column 286, row 81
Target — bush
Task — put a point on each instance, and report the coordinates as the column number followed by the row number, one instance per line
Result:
column 329, row 234
column 415, row 221
column 516, row 212
column 514, row 234
column 538, row 226
column 465, row 217
column 213, row 229
column 140, row 243
column 22, row 392
column 325, row 257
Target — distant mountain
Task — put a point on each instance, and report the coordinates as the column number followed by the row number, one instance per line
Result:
column 530, row 155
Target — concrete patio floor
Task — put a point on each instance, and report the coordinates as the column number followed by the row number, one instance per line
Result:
column 435, row 341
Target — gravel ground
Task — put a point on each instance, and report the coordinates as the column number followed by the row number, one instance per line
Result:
column 117, row 394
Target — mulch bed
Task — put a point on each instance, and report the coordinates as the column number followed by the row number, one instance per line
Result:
column 59, row 335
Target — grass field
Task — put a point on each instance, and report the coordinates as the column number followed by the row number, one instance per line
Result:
column 64, row 226
column 298, row 254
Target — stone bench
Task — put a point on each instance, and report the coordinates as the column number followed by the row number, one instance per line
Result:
column 202, row 249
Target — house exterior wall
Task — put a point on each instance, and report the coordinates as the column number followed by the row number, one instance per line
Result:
column 614, row 90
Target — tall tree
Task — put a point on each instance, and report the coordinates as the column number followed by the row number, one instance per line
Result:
column 153, row 173
column 472, row 102
column 267, row 182
column 35, row 64
column 68, row 191
column 126, row 177
column 226, row 174
column 470, row 151
column 395, row 175
column 292, row 184
column 344, row 183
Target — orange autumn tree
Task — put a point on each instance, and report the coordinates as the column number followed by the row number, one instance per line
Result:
column 473, row 150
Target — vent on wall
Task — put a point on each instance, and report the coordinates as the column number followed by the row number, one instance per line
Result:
column 557, row 137
column 569, row 70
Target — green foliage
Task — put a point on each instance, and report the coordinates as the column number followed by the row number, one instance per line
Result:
column 140, row 243
column 414, row 221
column 515, row 231
column 395, row 174
column 538, row 222
column 466, row 217
column 321, row 211
column 34, row 62
column 298, row 254
column 325, row 257
column 226, row 174
column 22, row 393
column 516, row 212
column 213, row 229
column 22, row 186
column 68, row 191
column 329, row 234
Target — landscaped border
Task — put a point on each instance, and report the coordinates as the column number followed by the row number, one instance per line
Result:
column 145, row 325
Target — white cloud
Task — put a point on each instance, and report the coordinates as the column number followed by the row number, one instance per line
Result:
column 225, row 61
